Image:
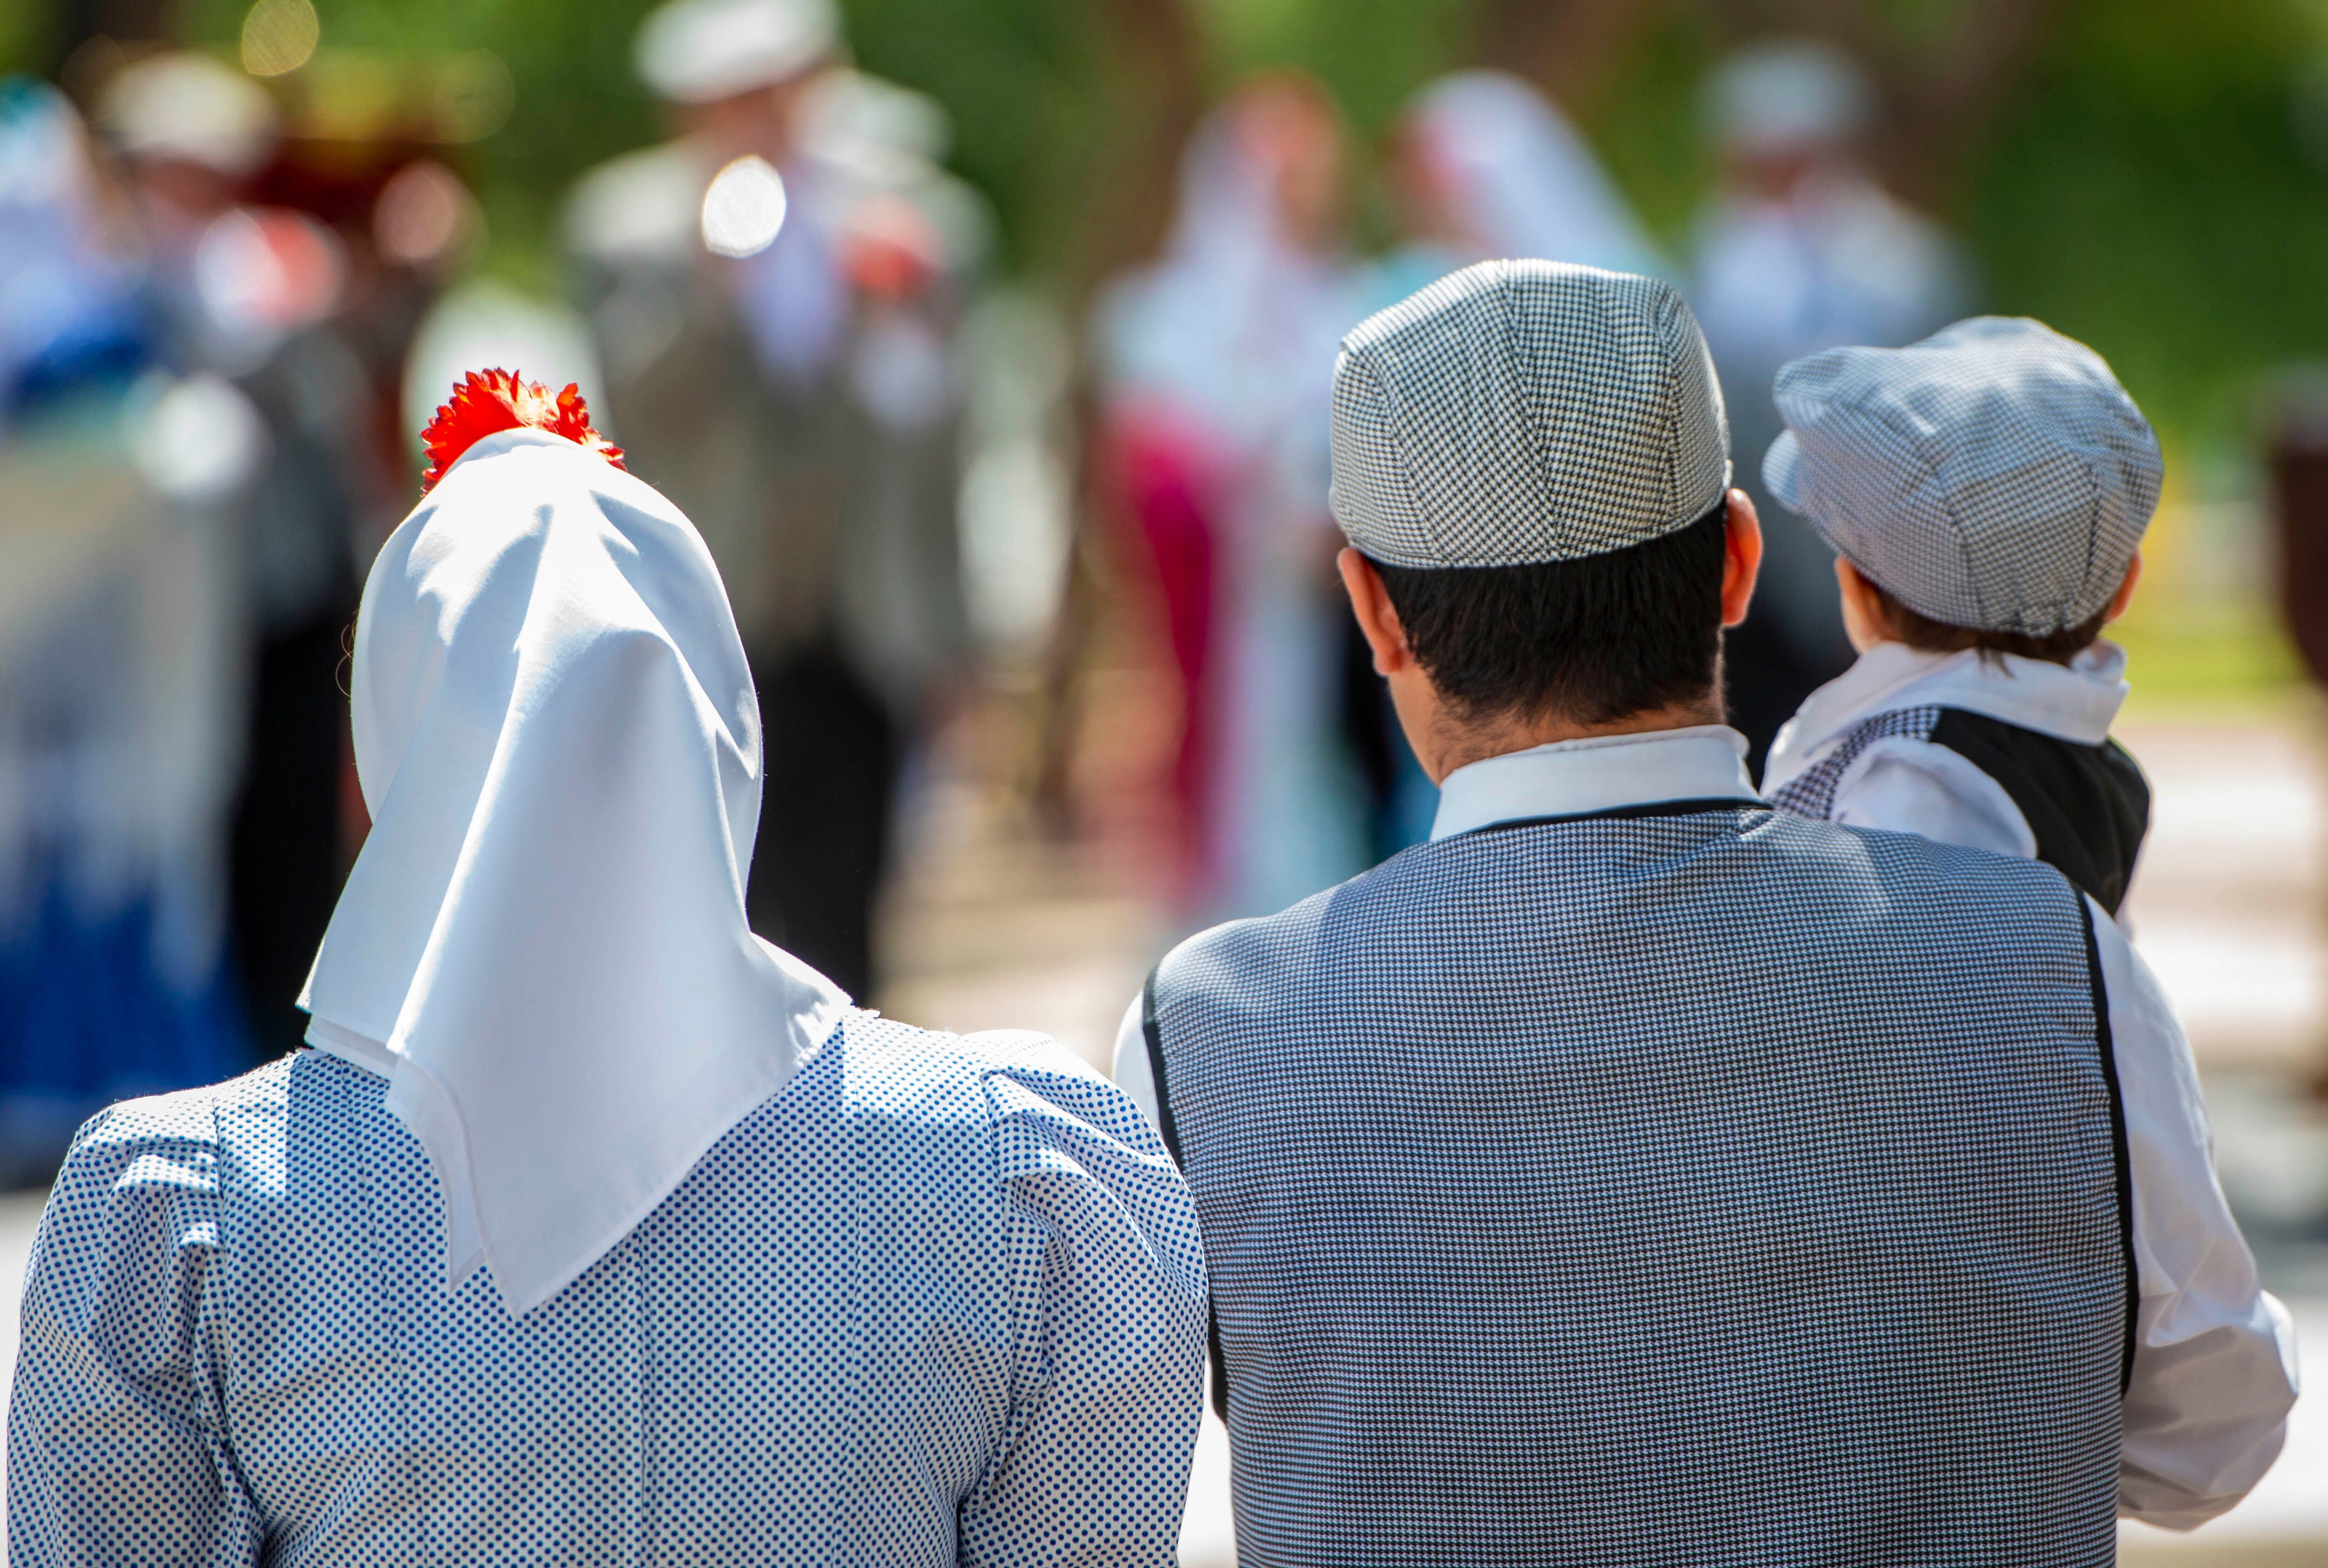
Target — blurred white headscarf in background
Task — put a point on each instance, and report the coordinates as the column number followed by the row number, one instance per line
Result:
column 1519, row 180
column 543, row 945
column 1238, row 321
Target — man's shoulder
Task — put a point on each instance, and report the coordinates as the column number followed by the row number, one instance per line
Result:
column 1785, row 860
column 1906, row 866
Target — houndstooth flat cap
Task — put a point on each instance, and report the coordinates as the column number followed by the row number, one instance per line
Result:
column 1518, row 412
column 1995, row 476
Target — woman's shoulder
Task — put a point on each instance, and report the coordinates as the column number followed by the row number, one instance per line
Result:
column 173, row 1137
column 985, row 1078
column 138, row 1195
column 1042, row 1122
column 233, row 1134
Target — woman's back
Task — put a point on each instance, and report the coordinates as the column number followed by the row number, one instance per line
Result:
column 886, row 1319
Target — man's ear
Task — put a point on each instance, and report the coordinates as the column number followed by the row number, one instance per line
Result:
column 1378, row 617
column 1742, row 557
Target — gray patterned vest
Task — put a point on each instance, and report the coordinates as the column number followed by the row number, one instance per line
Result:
column 2087, row 806
column 1687, row 1185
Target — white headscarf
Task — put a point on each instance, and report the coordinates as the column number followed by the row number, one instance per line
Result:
column 1524, row 183
column 543, row 945
column 1237, row 322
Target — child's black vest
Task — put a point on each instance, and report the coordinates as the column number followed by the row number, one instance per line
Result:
column 2087, row 806
column 1689, row 1185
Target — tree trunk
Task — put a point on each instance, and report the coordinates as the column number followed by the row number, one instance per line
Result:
column 1154, row 58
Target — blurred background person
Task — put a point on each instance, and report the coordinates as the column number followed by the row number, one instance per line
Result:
column 254, row 292
column 775, row 295
column 1216, row 364
column 1482, row 166
column 70, row 321
column 1798, row 249
column 120, row 661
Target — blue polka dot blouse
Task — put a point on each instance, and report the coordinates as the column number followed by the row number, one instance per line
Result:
column 940, row 1301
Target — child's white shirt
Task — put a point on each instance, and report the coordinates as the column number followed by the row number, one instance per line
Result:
column 1905, row 785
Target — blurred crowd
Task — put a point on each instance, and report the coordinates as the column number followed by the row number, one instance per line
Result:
column 1215, row 362
column 228, row 292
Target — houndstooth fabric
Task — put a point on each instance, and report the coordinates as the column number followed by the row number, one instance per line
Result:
column 1711, row 1188
column 1811, row 792
column 940, row 1301
column 1517, row 412
column 1995, row 476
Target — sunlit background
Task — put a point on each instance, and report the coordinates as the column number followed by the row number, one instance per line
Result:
column 987, row 340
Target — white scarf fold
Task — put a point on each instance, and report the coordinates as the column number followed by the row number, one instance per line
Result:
column 543, row 945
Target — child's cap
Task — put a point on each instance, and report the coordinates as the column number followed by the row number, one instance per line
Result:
column 1995, row 476
column 1517, row 412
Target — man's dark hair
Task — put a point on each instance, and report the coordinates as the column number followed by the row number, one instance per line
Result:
column 1920, row 631
column 1593, row 640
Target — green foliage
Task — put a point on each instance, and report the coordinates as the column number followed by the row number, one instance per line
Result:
column 1029, row 85
column 1373, row 54
column 23, row 35
column 577, row 101
column 1650, row 129
column 2150, row 194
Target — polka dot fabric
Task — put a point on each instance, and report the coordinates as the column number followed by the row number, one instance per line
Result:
column 940, row 1302
column 1518, row 412
column 1710, row 1188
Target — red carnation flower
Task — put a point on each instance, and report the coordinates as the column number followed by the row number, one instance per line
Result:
column 485, row 401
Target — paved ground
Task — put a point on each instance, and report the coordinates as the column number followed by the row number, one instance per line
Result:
column 997, row 926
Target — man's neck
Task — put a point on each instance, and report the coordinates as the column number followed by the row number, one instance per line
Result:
column 1457, row 743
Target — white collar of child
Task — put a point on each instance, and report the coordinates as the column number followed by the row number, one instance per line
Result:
column 2075, row 702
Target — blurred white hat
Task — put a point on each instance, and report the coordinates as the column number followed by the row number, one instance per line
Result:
column 1788, row 95
column 702, row 51
column 190, row 106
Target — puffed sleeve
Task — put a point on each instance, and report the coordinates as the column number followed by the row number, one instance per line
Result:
column 116, row 1452
column 1108, row 1390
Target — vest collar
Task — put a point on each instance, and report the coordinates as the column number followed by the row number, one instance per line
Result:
column 1605, row 773
column 2074, row 702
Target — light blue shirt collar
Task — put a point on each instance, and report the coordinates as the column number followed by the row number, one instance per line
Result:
column 1603, row 773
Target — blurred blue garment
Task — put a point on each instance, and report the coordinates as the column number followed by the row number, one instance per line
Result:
column 86, row 1020
column 119, row 695
column 69, row 316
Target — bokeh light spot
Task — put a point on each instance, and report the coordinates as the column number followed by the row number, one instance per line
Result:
column 744, row 209
column 279, row 36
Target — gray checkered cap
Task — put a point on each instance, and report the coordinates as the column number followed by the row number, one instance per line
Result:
column 1995, row 476
column 1518, row 412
